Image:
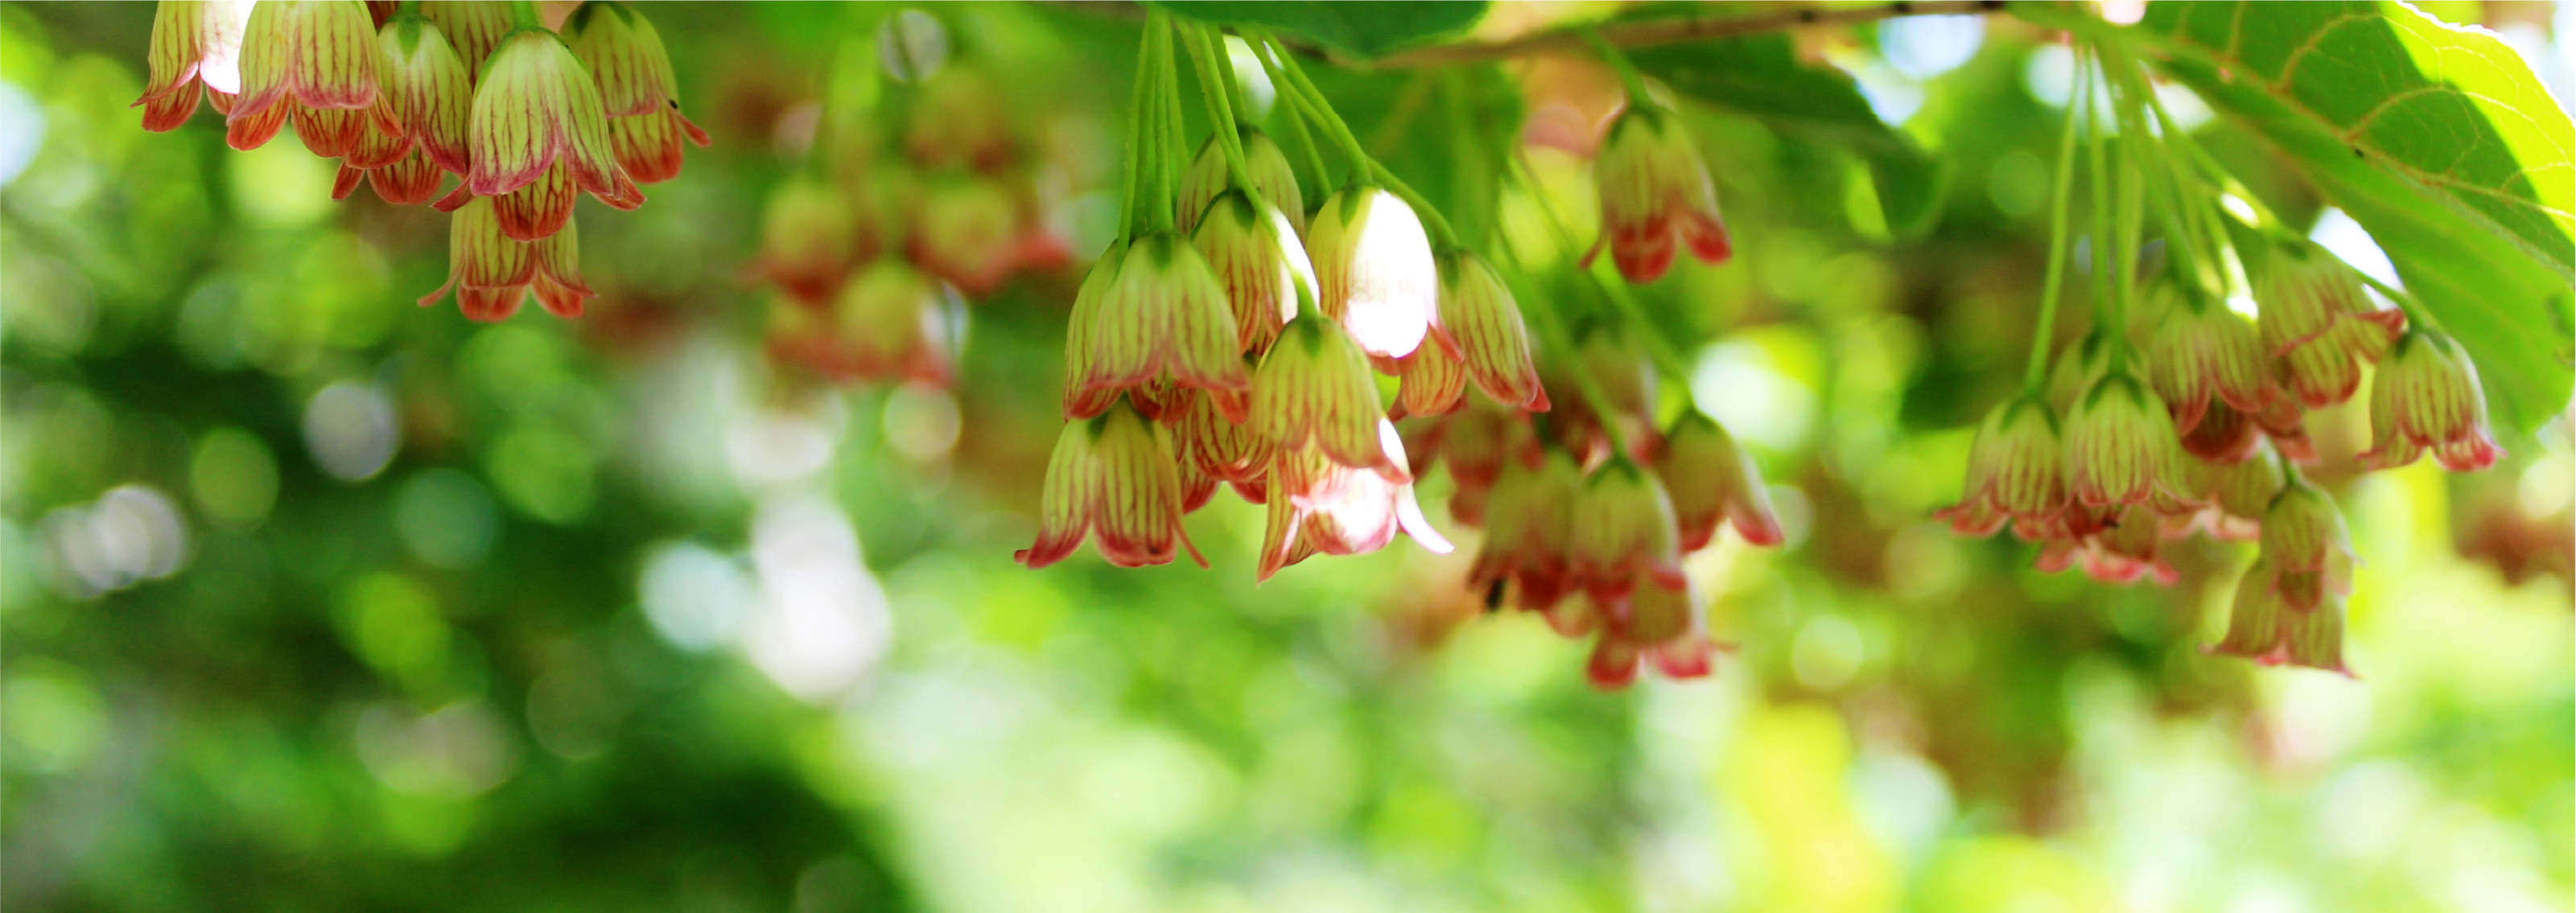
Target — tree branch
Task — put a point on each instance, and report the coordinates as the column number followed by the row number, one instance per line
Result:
column 1644, row 32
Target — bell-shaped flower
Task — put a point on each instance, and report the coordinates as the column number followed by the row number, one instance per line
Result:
column 637, row 87
column 890, row 323
column 2284, row 423
column 2202, row 351
column 1162, row 319
column 315, row 61
column 1478, row 318
column 1710, row 479
column 2319, row 326
column 1626, row 379
column 2120, row 543
column 1207, row 179
column 2265, row 628
column 491, row 272
column 1655, row 196
column 809, row 238
column 1112, row 477
column 2236, row 494
column 1475, row 442
column 474, row 27
column 2306, row 546
column 1529, row 531
column 648, row 145
column 1257, row 257
column 2121, row 447
column 1314, row 389
column 196, row 48
column 2222, row 435
column 1433, row 383
column 2426, row 397
column 967, row 232
column 1654, row 625
column 407, row 181
column 1220, row 448
column 426, row 92
column 2016, row 473
column 960, row 120
column 1374, row 266
column 536, row 110
column 1318, row 506
column 1622, row 528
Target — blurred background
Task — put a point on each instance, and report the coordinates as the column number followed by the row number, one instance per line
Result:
column 312, row 599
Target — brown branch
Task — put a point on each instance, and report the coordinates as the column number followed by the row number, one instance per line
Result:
column 1644, row 32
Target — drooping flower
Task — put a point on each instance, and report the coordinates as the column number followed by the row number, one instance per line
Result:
column 2305, row 544
column 2077, row 370
column 1626, row 380
column 2016, row 473
column 1162, row 320
column 1655, row 195
column 2266, row 629
column 2223, row 435
column 2121, row 447
column 1112, row 477
column 427, row 93
column 637, row 87
column 1654, row 624
column 809, row 238
column 2202, row 351
column 1623, row 528
column 1207, row 179
column 491, row 272
column 889, row 325
column 1257, row 257
column 536, row 110
column 407, row 181
column 1314, row 389
column 1529, row 532
column 1710, row 479
column 196, row 44
column 1220, row 448
column 1478, row 318
column 1317, row 505
column 968, row 233
column 1374, row 265
column 2319, row 325
column 2426, row 397
column 961, row 121
column 474, row 27
column 1433, row 383
column 316, row 62
column 2236, row 495
column 2118, row 543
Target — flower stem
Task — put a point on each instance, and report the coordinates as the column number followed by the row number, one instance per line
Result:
column 1560, row 339
column 523, row 15
column 1443, row 238
column 1628, row 76
column 2046, row 331
column 1213, row 91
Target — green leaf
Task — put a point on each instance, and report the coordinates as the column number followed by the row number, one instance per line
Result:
column 1760, row 76
column 1359, row 30
column 2437, row 139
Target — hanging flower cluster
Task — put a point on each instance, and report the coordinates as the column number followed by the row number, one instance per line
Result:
column 2195, row 424
column 406, row 94
column 922, row 197
column 1224, row 339
column 1245, row 354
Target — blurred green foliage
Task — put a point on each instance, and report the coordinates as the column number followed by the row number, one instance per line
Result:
column 616, row 614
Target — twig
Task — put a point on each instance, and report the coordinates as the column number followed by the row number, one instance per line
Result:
column 1645, row 32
